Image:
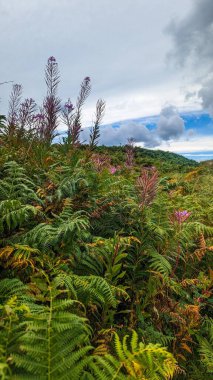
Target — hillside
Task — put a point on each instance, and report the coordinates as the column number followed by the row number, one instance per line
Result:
column 207, row 163
column 159, row 158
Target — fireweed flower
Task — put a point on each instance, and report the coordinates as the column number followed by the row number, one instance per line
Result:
column 87, row 80
column 180, row 216
column 39, row 117
column 130, row 153
column 52, row 59
column 69, row 106
column 147, row 185
column 100, row 162
column 113, row 170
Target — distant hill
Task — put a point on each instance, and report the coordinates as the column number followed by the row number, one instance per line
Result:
column 207, row 163
column 169, row 157
column 143, row 156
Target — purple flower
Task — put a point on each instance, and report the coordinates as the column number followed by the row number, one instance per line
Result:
column 39, row 116
column 87, row 79
column 181, row 216
column 69, row 106
column 51, row 59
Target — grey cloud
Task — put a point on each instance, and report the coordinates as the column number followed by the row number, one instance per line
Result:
column 120, row 135
column 192, row 36
column 169, row 110
column 170, row 125
column 193, row 48
column 206, row 95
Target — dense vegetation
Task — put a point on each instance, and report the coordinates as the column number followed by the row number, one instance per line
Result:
column 105, row 252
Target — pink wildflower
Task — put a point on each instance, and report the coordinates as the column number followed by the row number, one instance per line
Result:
column 112, row 169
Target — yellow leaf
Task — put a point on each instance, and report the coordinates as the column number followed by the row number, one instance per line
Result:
column 137, row 368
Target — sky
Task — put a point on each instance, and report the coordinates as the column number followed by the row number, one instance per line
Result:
column 148, row 59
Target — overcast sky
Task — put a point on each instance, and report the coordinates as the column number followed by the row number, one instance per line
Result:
column 143, row 56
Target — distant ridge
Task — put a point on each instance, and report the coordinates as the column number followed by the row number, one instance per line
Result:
column 207, row 163
column 143, row 156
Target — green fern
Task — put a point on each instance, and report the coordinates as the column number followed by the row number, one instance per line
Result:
column 65, row 228
column 13, row 214
column 15, row 307
column 159, row 263
column 70, row 182
column 135, row 360
column 15, row 184
column 56, row 341
column 206, row 348
column 88, row 289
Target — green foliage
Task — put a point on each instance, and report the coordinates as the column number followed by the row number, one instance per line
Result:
column 139, row 361
column 206, row 348
column 97, row 242
column 13, row 214
column 55, row 341
column 64, row 228
column 15, row 184
column 160, row 264
column 83, row 262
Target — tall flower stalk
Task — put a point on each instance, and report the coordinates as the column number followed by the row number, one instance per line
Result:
column 130, row 153
column 52, row 103
column 147, row 186
column 95, row 130
column 27, row 116
column 178, row 218
column 14, row 104
column 77, row 123
column 71, row 119
column 67, row 116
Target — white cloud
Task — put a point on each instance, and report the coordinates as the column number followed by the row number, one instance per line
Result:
column 132, row 106
column 197, row 144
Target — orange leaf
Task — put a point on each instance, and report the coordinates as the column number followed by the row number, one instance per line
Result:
column 186, row 347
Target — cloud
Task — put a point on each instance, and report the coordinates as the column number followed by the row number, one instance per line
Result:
column 192, row 39
column 192, row 36
column 170, row 125
column 120, row 135
column 197, row 144
column 206, row 95
column 113, row 44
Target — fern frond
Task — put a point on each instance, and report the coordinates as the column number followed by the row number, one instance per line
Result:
column 64, row 229
column 19, row 257
column 13, row 214
column 206, row 347
column 15, row 184
column 160, row 264
column 147, row 362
